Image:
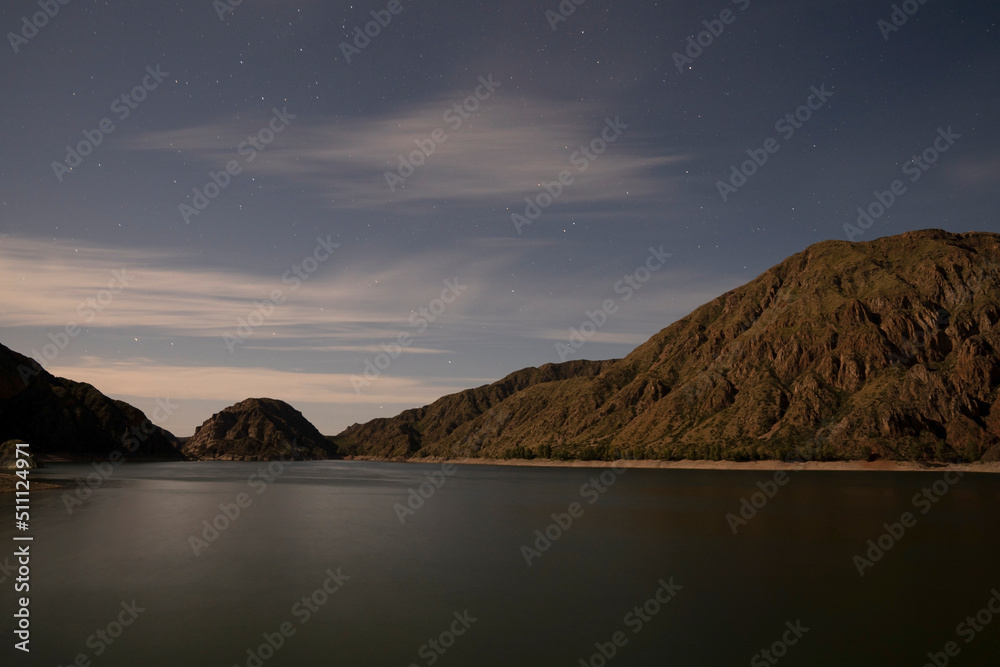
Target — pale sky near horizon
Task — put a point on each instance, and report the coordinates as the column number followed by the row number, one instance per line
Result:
column 290, row 274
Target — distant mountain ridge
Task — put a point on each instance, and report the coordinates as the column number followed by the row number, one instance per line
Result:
column 886, row 348
column 882, row 349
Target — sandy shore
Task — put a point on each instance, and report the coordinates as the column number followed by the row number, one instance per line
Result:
column 877, row 466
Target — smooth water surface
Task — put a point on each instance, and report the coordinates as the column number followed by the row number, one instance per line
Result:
column 461, row 553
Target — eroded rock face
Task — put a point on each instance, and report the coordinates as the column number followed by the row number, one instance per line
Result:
column 430, row 426
column 60, row 418
column 258, row 429
column 885, row 348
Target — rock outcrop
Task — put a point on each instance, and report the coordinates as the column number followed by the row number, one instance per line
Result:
column 258, row 429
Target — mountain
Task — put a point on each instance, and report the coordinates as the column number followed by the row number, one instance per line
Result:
column 60, row 418
column 258, row 429
column 882, row 349
column 409, row 432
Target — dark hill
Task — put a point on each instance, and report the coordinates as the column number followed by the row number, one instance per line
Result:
column 60, row 418
column 258, row 429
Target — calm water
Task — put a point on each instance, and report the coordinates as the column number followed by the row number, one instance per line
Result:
column 460, row 553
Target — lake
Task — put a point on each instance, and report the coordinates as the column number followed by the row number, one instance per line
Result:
column 361, row 563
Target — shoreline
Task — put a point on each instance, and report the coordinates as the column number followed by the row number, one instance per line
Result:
column 8, row 483
column 686, row 464
column 8, row 480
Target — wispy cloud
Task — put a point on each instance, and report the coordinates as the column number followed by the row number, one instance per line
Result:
column 498, row 155
column 326, row 399
column 55, row 283
column 312, row 343
column 349, row 305
column 975, row 172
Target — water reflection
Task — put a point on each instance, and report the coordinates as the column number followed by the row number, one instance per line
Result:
column 461, row 552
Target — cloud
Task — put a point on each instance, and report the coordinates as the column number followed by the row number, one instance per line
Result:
column 614, row 338
column 55, row 283
column 350, row 304
column 310, row 344
column 362, row 349
column 496, row 156
column 328, row 400
column 975, row 173
column 145, row 378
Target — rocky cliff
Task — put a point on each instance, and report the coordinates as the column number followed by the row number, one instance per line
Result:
column 258, row 429
column 430, row 426
column 885, row 348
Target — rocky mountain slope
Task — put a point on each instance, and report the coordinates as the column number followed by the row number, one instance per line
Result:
column 412, row 430
column 60, row 418
column 258, row 429
column 887, row 348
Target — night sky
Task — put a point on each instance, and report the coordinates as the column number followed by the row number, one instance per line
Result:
column 202, row 203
